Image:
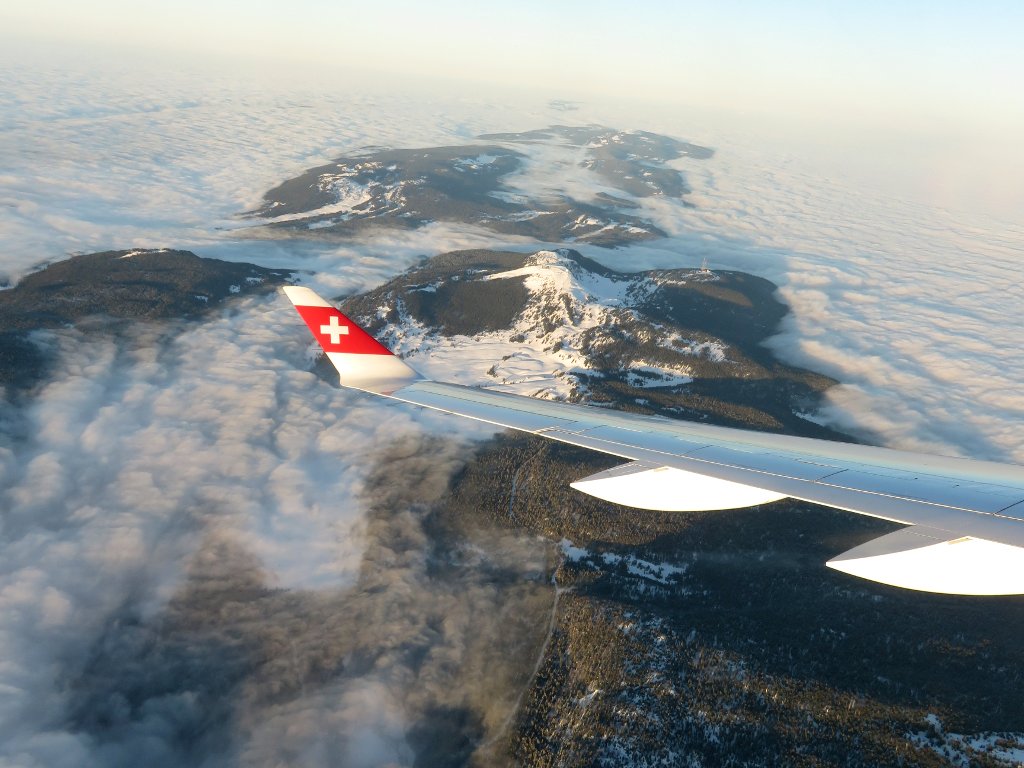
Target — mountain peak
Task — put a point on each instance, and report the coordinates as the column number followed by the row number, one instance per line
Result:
column 556, row 325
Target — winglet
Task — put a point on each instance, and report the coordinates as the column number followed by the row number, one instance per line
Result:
column 362, row 361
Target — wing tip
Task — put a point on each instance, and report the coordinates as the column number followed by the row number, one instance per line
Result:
column 301, row 296
column 362, row 362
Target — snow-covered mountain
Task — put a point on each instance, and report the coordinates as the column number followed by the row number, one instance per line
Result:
column 556, row 325
column 485, row 185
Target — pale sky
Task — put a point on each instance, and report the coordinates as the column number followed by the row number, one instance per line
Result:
column 944, row 77
column 938, row 58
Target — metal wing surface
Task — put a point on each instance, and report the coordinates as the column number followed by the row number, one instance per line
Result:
column 966, row 516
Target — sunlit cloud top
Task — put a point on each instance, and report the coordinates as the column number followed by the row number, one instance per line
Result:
column 932, row 58
column 933, row 85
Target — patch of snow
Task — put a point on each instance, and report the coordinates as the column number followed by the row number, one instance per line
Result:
column 811, row 417
column 712, row 350
column 353, row 198
column 571, row 552
column 964, row 750
column 140, row 251
column 585, row 221
column 348, row 194
column 663, row 573
column 474, row 163
column 646, row 375
column 617, row 228
column 235, row 289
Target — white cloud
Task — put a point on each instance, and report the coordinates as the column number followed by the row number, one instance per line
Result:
column 148, row 157
column 144, row 449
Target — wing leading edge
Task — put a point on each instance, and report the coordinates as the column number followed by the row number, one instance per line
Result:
column 966, row 516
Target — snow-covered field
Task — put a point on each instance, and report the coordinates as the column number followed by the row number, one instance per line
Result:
column 566, row 333
column 963, row 750
column 539, row 363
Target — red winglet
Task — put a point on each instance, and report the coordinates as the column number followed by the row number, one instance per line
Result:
column 362, row 362
column 336, row 333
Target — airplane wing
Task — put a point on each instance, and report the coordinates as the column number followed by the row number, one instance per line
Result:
column 964, row 518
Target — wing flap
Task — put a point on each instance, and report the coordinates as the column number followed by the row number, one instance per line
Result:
column 928, row 560
column 765, row 461
column 978, row 497
column 666, row 489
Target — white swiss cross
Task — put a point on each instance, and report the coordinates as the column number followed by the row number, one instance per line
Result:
column 334, row 330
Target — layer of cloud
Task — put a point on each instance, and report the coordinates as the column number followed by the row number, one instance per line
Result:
column 210, row 554
column 136, row 445
column 914, row 310
column 193, row 568
column 144, row 156
column 200, row 560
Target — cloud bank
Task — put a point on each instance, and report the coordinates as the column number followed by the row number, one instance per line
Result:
column 210, row 554
column 200, row 563
column 143, row 156
column 915, row 311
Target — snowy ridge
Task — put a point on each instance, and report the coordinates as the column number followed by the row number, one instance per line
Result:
column 550, row 342
column 713, row 350
column 141, row 251
column 474, row 163
column 351, row 197
column 411, row 188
